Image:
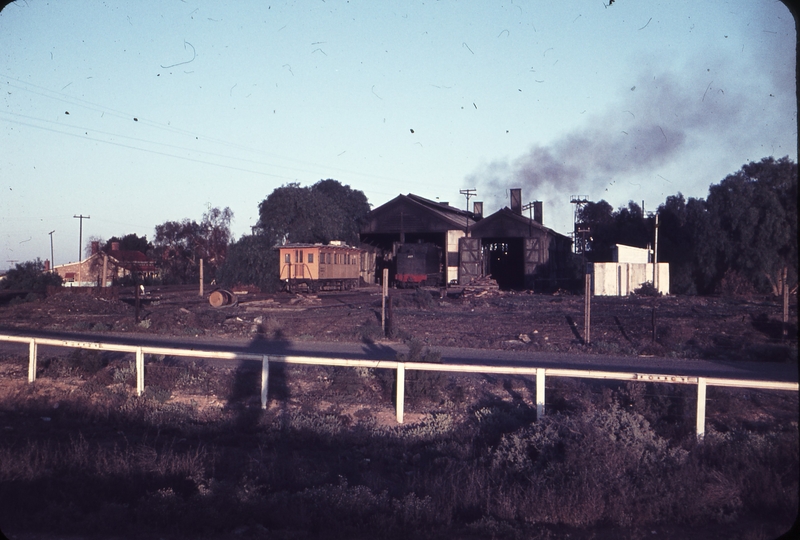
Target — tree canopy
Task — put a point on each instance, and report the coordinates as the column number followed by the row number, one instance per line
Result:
column 179, row 246
column 755, row 210
column 130, row 242
column 30, row 276
column 320, row 213
column 744, row 232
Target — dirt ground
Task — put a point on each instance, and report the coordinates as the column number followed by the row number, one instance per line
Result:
column 486, row 318
column 689, row 327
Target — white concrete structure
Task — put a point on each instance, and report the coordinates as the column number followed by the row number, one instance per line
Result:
column 629, row 254
column 622, row 278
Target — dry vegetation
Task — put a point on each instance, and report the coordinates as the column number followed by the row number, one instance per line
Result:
column 82, row 456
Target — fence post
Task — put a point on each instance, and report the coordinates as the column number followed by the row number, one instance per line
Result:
column 264, row 380
column 539, row 393
column 139, row 371
column 32, row 350
column 384, row 294
column 701, row 408
column 401, row 391
column 785, row 294
column 587, row 311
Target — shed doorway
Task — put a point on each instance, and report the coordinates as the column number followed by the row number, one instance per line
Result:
column 505, row 262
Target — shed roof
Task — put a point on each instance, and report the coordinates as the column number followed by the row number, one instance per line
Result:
column 507, row 224
column 412, row 213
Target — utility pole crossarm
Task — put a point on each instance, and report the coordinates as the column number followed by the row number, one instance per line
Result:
column 471, row 192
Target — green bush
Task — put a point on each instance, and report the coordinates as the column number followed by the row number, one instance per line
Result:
column 30, row 275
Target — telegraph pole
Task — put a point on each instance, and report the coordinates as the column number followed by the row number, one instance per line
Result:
column 471, row 192
column 52, row 261
column 81, row 217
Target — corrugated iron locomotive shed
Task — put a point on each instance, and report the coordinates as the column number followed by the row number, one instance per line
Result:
column 520, row 252
column 411, row 219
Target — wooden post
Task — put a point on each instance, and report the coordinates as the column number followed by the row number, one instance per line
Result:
column 401, row 391
column 539, row 393
column 389, row 316
column 136, row 303
column 32, row 349
column 264, row 380
column 653, row 320
column 587, row 310
column 384, row 294
column 139, row 371
column 785, row 291
column 701, row 408
column 201, row 277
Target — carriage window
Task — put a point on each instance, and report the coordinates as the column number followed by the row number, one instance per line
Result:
column 301, row 255
column 311, row 257
column 287, row 258
column 328, row 258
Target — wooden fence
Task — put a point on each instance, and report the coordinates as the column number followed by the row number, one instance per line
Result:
column 539, row 373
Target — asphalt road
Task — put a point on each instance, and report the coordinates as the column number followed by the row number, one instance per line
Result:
column 767, row 370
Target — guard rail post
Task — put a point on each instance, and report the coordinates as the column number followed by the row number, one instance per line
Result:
column 539, row 393
column 701, row 408
column 139, row 371
column 32, row 350
column 264, row 380
column 401, row 391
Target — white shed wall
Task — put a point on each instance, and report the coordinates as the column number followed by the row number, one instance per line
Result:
column 621, row 279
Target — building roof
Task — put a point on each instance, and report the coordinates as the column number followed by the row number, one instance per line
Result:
column 128, row 259
column 507, row 224
column 299, row 245
column 412, row 213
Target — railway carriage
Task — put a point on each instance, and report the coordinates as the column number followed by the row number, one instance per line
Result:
column 315, row 267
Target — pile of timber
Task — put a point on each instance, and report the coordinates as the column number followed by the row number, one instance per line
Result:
column 480, row 287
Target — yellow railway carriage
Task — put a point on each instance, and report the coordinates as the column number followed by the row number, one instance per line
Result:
column 335, row 266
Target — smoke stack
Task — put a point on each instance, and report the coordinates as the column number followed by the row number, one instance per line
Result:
column 477, row 208
column 516, row 201
column 537, row 212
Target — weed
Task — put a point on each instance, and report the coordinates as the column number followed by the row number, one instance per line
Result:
column 422, row 385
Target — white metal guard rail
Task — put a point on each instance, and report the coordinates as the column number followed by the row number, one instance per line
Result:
column 538, row 372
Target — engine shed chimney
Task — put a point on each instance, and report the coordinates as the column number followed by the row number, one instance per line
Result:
column 516, row 200
column 537, row 212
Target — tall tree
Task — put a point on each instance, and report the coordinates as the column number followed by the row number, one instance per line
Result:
column 130, row 242
column 323, row 212
column 251, row 260
column 627, row 225
column 756, row 212
column 179, row 246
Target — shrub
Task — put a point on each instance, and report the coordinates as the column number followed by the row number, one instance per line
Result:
column 647, row 289
column 30, row 275
column 422, row 385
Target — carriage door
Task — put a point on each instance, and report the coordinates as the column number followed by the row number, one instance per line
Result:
column 533, row 258
column 469, row 255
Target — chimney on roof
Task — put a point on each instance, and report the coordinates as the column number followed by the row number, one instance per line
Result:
column 47, row 265
column 444, row 203
column 516, row 201
column 537, row 212
column 477, row 208
column 114, row 246
column 95, row 247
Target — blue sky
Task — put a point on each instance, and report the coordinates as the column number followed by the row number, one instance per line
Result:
column 136, row 113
